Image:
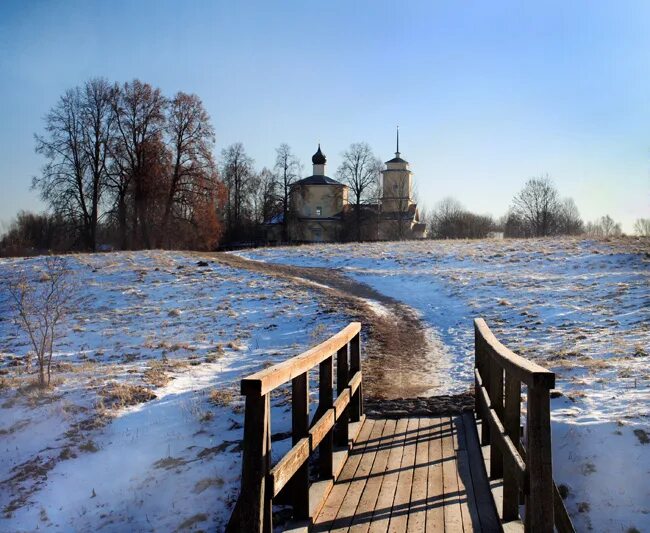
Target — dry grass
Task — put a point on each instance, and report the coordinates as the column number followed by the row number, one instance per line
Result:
column 89, row 446
column 206, row 483
column 169, row 463
column 118, row 395
column 223, row 397
column 234, row 345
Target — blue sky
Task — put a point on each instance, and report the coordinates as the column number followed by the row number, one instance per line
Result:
column 487, row 94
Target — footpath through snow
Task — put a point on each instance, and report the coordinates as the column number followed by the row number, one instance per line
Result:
column 578, row 307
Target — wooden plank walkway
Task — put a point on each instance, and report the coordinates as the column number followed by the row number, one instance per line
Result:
column 413, row 474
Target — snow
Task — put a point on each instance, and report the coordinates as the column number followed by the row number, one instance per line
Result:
column 70, row 463
column 578, row 307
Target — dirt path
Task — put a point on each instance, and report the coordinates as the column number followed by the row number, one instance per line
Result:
column 397, row 346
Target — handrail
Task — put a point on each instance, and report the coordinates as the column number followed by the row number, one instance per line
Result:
column 270, row 378
column 526, row 371
column 498, row 376
column 330, row 432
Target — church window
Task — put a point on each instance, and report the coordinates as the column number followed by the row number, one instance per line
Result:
column 318, row 211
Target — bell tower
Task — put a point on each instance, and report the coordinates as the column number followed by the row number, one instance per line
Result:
column 397, row 179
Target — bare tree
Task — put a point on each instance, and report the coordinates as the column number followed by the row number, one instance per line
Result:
column 193, row 171
column 76, row 145
column 642, row 227
column 139, row 120
column 237, row 172
column 451, row 220
column 360, row 170
column 568, row 218
column 604, row 227
column 266, row 202
column 40, row 307
column 537, row 206
column 287, row 168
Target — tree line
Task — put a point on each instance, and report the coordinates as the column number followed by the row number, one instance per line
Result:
column 128, row 167
column 536, row 211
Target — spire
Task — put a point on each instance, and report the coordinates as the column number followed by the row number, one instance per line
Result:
column 397, row 152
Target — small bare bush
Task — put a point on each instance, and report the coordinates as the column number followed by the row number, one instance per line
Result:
column 40, row 307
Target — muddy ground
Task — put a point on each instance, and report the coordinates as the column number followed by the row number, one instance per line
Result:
column 396, row 341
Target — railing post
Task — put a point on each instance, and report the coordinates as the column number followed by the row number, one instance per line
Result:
column 356, row 402
column 255, row 502
column 539, row 501
column 478, row 364
column 486, row 362
column 299, row 430
column 325, row 401
column 342, row 378
column 496, row 400
column 511, row 423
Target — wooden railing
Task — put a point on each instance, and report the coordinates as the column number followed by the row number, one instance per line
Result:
column 332, row 430
column 525, row 468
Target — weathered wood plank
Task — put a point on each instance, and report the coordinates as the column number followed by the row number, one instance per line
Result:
column 539, row 499
column 383, row 507
column 496, row 402
column 435, row 515
column 418, row 503
column 483, row 495
column 471, row 519
column 368, row 452
column 363, row 514
column 402, row 500
column 342, row 378
column 453, row 513
column 325, row 402
column 336, row 496
column 501, row 441
column 300, row 430
column 282, row 472
column 563, row 522
column 463, row 489
column 320, row 431
column 266, row 380
column 511, row 425
column 254, row 493
column 356, row 406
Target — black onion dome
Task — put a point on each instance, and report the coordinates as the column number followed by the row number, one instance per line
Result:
column 318, row 158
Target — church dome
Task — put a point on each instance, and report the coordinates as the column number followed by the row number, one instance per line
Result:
column 318, row 158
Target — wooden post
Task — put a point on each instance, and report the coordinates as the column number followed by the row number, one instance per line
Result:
column 299, row 430
column 486, row 362
column 496, row 399
column 356, row 403
column 325, row 401
column 255, row 503
column 539, row 503
column 477, row 366
column 511, row 423
column 342, row 378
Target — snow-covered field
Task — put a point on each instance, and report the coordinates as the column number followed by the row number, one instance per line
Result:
column 90, row 454
column 579, row 307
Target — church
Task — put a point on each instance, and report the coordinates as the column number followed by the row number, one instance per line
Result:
column 320, row 209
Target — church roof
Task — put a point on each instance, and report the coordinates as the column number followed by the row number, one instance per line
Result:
column 318, row 158
column 319, row 180
column 397, row 160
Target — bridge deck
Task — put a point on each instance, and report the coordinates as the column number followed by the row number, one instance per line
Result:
column 412, row 474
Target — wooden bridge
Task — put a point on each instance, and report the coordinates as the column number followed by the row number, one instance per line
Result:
column 349, row 472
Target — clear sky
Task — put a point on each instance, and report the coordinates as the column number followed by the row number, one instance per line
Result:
column 486, row 93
